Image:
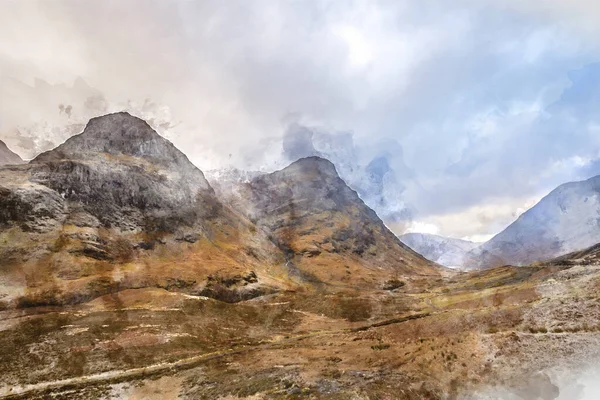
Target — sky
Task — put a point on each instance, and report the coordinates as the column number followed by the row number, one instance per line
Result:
column 490, row 103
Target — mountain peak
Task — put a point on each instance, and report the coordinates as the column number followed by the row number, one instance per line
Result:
column 119, row 118
column 117, row 134
column 314, row 165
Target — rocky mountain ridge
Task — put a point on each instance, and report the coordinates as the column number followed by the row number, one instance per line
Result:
column 117, row 207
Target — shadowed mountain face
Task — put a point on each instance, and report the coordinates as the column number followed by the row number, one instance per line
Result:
column 566, row 220
column 7, row 156
column 446, row 251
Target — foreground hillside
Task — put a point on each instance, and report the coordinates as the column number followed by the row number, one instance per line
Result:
column 506, row 332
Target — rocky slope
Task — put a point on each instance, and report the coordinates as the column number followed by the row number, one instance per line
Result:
column 7, row 156
column 566, row 220
column 445, row 251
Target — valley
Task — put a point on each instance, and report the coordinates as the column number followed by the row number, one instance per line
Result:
column 126, row 275
column 452, row 337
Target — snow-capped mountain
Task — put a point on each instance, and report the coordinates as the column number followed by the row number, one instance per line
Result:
column 446, row 251
column 566, row 220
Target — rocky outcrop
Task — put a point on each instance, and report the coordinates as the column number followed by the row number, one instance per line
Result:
column 32, row 207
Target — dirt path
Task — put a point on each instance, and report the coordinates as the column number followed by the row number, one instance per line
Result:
column 20, row 392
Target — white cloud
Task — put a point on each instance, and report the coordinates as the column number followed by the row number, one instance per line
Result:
column 422, row 227
column 477, row 223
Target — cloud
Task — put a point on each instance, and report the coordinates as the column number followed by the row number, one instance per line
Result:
column 578, row 15
column 478, row 95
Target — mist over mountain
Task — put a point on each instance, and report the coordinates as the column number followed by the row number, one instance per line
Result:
column 62, row 111
column 376, row 172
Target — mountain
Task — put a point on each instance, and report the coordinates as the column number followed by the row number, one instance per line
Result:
column 446, row 251
column 7, row 156
column 123, row 272
column 566, row 220
column 119, row 207
column 325, row 230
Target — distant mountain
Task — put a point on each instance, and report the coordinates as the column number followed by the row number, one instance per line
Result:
column 7, row 156
column 446, row 251
column 566, row 220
